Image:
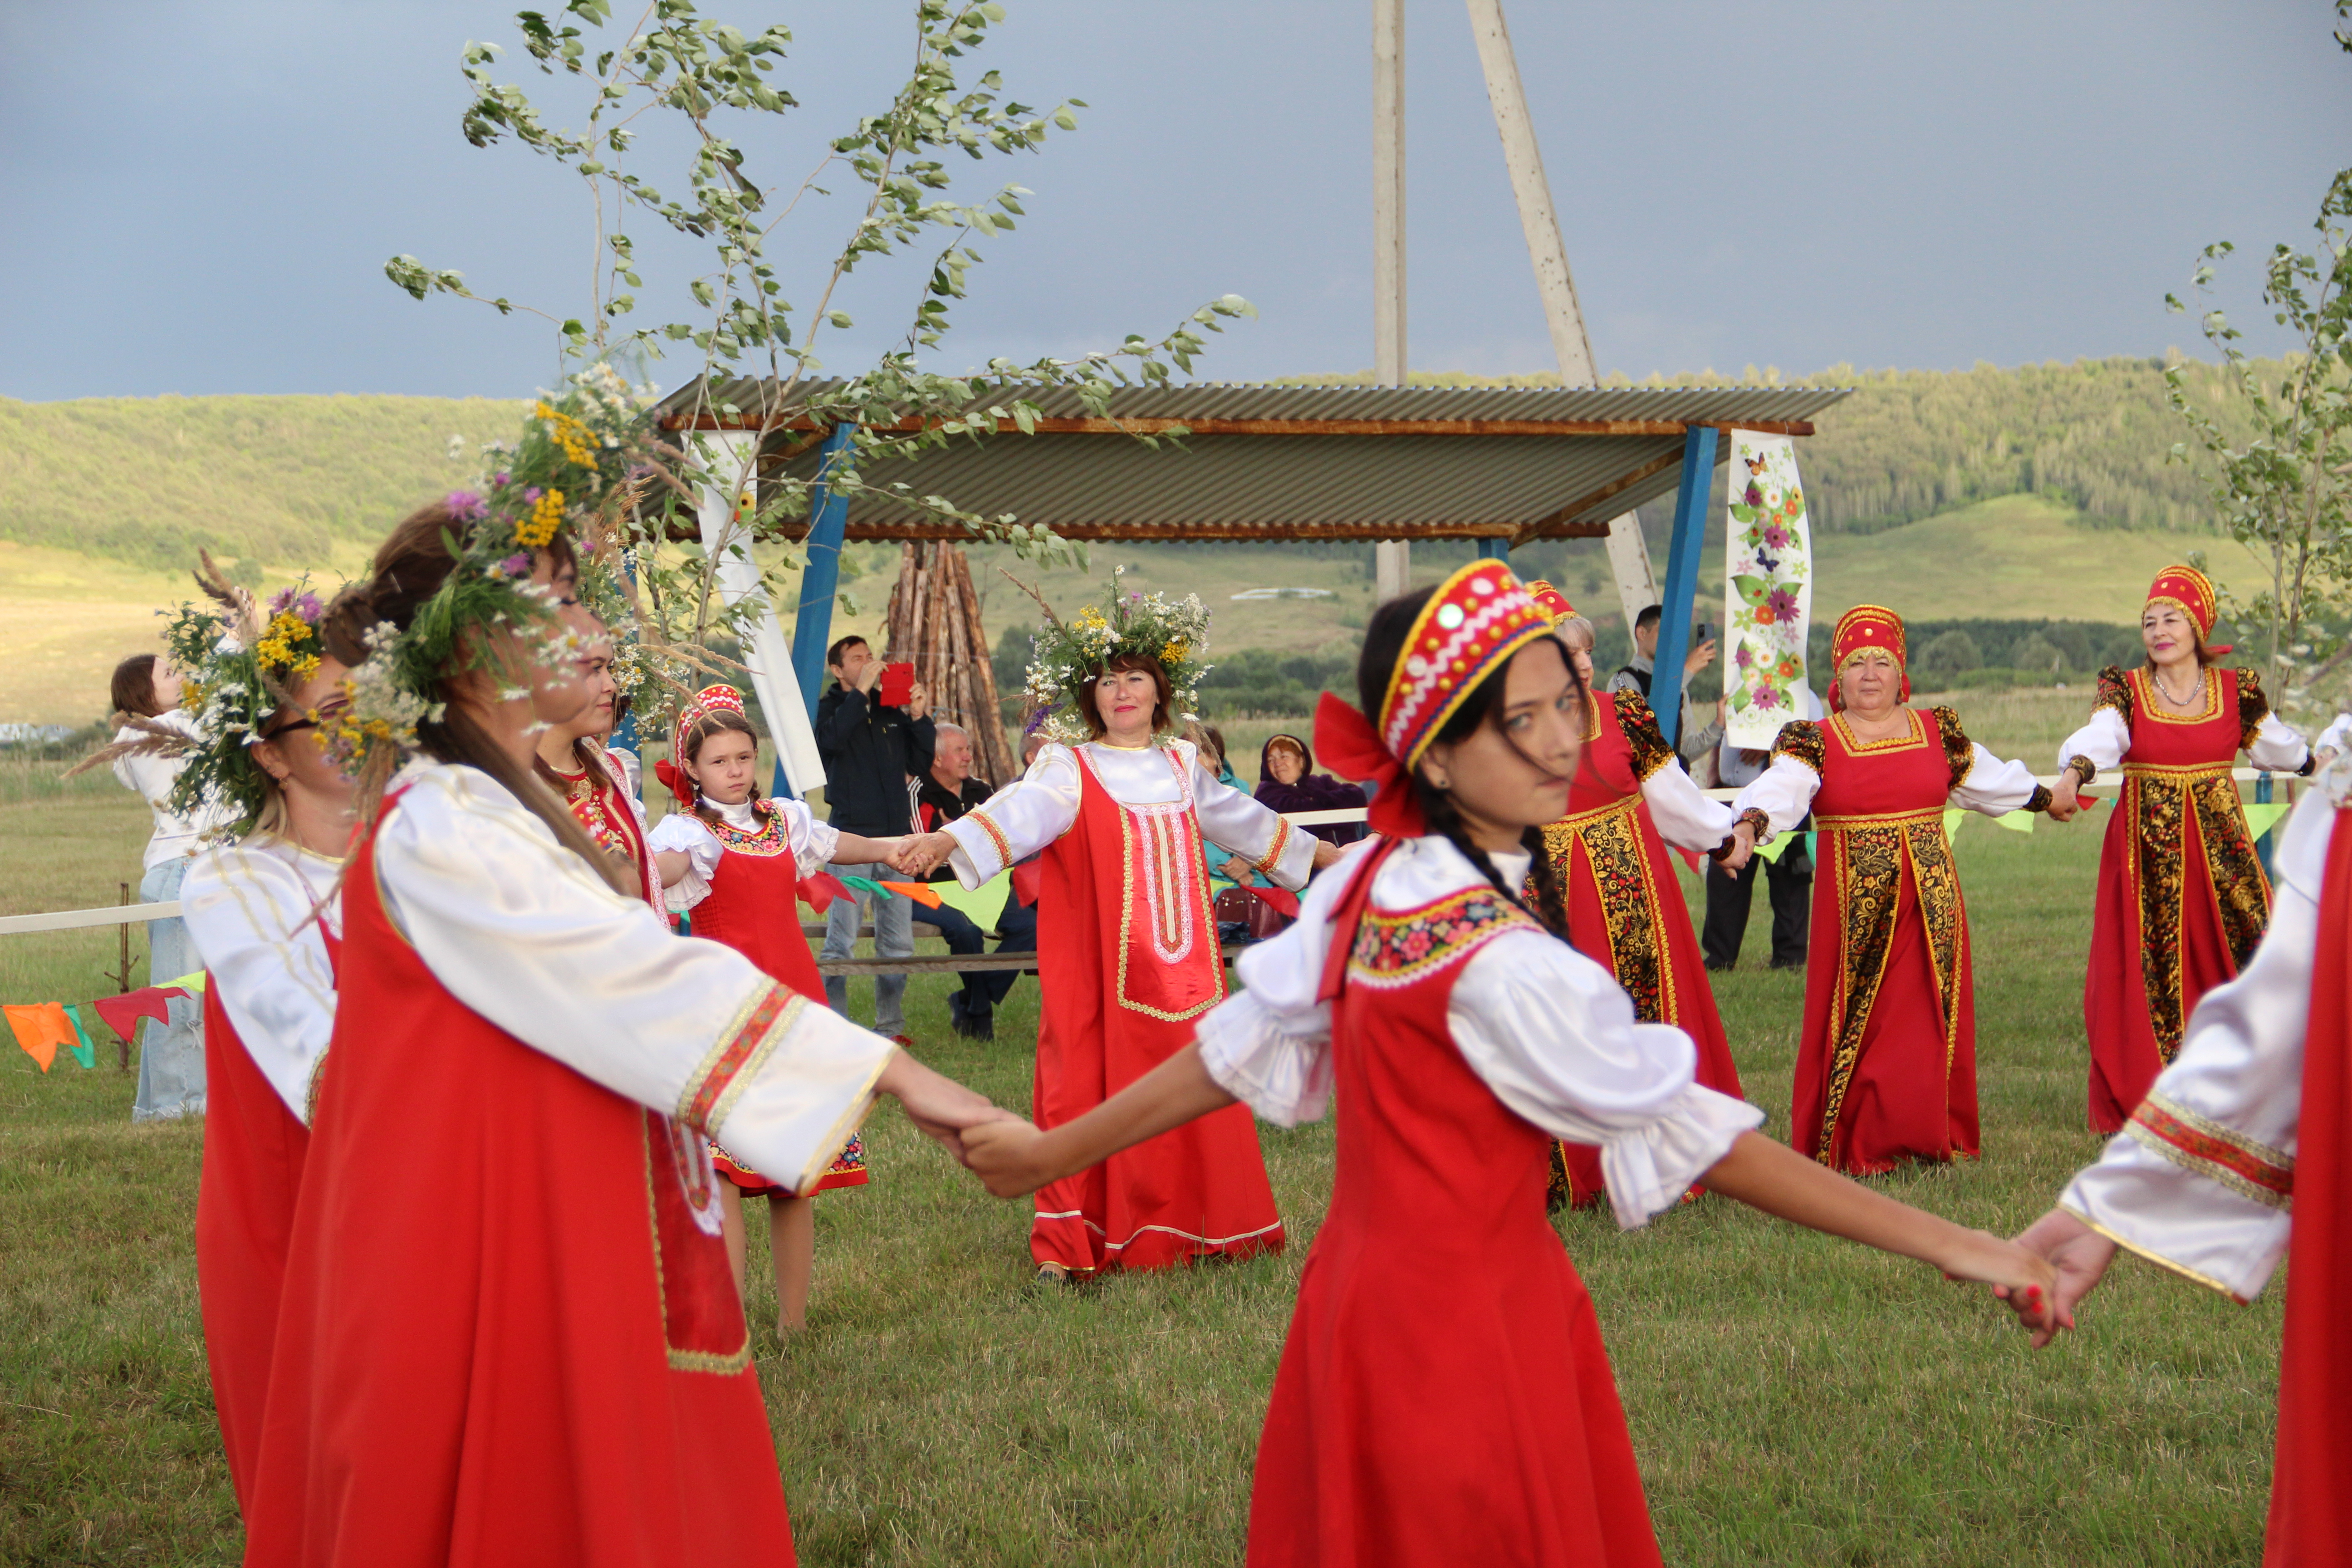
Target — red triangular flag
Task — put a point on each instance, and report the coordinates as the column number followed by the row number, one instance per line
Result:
column 1277, row 899
column 819, row 889
column 1028, row 881
column 122, row 1013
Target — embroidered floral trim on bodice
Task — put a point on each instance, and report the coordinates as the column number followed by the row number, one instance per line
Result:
column 1394, row 950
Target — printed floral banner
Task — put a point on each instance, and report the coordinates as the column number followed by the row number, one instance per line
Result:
column 1768, row 600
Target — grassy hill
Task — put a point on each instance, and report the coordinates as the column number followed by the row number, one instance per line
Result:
column 2042, row 491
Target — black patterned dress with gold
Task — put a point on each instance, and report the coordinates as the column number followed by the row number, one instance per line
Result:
column 1887, row 1069
column 2182, row 899
column 1625, row 907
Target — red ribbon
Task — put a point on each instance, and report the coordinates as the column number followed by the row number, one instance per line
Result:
column 680, row 786
column 819, row 889
column 1346, row 739
column 1279, row 901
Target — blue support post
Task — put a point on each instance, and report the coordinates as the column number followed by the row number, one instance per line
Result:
column 1682, row 577
column 820, row 579
column 2263, row 846
column 1494, row 550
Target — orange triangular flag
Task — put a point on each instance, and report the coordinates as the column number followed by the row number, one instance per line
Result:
column 41, row 1029
column 922, row 893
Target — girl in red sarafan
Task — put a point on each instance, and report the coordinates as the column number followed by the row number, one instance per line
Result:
column 1886, row 1071
column 1444, row 1395
column 2182, row 898
column 733, row 860
column 1132, row 959
column 594, row 779
column 1629, row 801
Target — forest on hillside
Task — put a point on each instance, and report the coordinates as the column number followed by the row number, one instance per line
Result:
column 271, row 480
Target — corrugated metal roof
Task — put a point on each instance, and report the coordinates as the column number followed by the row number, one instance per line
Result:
column 1402, row 484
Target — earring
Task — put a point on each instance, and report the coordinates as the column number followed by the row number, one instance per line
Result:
column 1441, row 784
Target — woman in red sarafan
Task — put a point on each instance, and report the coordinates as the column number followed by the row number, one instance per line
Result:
column 733, row 860
column 2182, row 898
column 1443, row 1394
column 1128, row 959
column 508, row 1332
column 2240, row 1154
column 1887, row 1069
column 1629, row 801
column 594, row 779
column 263, row 913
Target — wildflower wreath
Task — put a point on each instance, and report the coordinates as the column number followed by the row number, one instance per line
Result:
column 237, row 670
column 1172, row 633
column 581, row 455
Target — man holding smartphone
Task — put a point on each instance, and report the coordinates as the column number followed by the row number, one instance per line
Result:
column 1638, row 673
column 871, row 747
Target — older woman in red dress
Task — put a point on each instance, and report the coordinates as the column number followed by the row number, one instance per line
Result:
column 1629, row 801
column 1886, row 1071
column 2182, row 898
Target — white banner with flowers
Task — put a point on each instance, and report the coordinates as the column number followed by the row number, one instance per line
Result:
column 1768, row 599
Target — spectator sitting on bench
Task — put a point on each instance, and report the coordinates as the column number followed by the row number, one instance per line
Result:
column 939, row 796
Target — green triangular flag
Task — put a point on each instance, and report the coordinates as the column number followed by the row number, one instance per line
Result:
column 984, row 904
column 2016, row 821
column 84, row 1053
column 1778, row 847
column 2262, row 816
column 1952, row 822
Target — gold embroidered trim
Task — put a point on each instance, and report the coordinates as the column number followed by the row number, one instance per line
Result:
column 1853, row 742
column 2219, row 1153
column 720, row 1364
column 1801, row 738
column 1623, row 805
column 1611, row 841
column 1934, row 814
column 1273, row 857
column 766, row 1014
column 996, row 840
column 1959, row 756
column 2128, row 1245
column 1166, row 909
column 1639, row 722
column 2145, row 699
column 2171, row 813
column 2085, row 769
column 2181, row 771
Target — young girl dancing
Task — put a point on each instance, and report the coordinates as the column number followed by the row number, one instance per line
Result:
column 1444, row 1396
column 735, row 861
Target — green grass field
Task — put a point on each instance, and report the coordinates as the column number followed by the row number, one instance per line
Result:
column 1793, row 1400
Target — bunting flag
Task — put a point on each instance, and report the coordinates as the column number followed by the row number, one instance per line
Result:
column 985, row 904
column 40, row 1029
column 122, row 1013
column 2262, row 816
column 85, row 1053
column 819, row 889
column 923, row 893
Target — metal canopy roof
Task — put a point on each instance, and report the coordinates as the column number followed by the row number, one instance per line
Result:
column 1294, row 462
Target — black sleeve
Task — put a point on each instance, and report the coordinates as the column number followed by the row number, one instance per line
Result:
column 847, row 716
column 922, row 740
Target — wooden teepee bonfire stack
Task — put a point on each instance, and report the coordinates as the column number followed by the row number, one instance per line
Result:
column 934, row 622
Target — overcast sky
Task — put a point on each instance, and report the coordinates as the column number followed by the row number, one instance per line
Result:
column 199, row 197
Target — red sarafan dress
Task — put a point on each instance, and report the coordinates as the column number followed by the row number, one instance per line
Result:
column 1127, row 963
column 1444, row 1394
column 1625, row 908
column 604, row 806
column 2182, row 899
column 508, row 1332
column 264, row 916
column 743, row 890
column 2240, row 1154
column 1887, row 1068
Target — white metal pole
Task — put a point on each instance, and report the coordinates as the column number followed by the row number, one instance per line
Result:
column 1629, row 556
column 1392, row 562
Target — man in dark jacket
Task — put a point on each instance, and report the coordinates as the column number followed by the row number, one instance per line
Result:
column 870, row 752
column 941, row 794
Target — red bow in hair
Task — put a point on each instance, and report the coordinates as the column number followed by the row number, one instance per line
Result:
column 1346, row 739
column 680, row 786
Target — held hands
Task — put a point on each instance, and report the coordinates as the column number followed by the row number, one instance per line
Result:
column 2021, row 1279
column 2079, row 1255
column 920, row 854
column 2064, row 801
column 1742, row 847
column 1009, row 1157
column 943, row 1110
column 1326, row 853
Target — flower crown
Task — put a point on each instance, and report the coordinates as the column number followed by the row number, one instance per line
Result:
column 581, row 456
column 1172, row 634
column 237, row 670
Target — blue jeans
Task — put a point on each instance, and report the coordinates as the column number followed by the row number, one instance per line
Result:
column 1017, row 929
column 893, row 937
column 172, row 1053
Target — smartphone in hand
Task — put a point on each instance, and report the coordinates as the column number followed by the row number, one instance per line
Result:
column 898, row 685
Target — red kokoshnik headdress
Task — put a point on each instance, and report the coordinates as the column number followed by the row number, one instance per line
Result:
column 709, row 700
column 1550, row 601
column 2191, row 592
column 1860, row 629
column 1469, row 627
